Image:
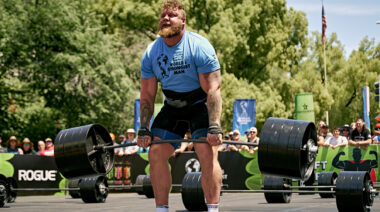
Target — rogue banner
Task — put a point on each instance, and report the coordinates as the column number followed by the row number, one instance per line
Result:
column 244, row 114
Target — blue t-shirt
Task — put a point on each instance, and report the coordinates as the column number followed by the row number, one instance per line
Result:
column 177, row 67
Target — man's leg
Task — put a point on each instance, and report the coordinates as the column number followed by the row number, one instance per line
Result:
column 159, row 171
column 211, row 171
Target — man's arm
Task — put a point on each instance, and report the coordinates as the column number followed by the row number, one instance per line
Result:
column 147, row 96
column 210, row 83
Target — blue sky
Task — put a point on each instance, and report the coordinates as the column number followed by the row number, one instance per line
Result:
column 352, row 20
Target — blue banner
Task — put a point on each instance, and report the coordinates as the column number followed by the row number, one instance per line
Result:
column 366, row 120
column 244, row 114
column 137, row 123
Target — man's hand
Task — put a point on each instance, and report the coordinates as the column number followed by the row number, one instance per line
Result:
column 214, row 135
column 214, row 139
column 144, row 137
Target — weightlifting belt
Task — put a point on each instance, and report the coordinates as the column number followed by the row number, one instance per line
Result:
column 183, row 99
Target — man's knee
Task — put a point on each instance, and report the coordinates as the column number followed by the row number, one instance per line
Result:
column 160, row 153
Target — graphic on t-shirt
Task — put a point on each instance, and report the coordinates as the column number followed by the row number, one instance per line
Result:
column 162, row 61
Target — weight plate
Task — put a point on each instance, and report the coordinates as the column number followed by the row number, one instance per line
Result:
column 74, row 183
column 192, row 193
column 308, row 182
column 276, row 183
column 75, row 155
column 139, row 182
column 327, row 179
column 93, row 189
column 11, row 193
column 353, row 191
column 147, row 187
column 3, row 193
column 281, row 148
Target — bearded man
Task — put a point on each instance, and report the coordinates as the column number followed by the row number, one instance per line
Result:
column 186, row 65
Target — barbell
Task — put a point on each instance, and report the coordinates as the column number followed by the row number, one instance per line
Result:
column 354, row 191
column 287, row 148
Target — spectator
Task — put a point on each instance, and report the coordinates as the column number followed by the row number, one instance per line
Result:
column 113, row 137
column 360, row 136
column 336, row 140
column 376, row 136
column 119, row 151
column 27, row 147
column 190, row 145
column 131, row 138
column 184, row 145
column 252, row 138
column 346, row 131
column 41, row 146
column 320, row 124
column 324, row 135
column 49, row 149
column 2, row 149
column 235, row 137
column 13, row 145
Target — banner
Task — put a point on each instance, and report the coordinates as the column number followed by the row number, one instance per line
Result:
column 305, row 107
column 32, row 171
column 366, row 120
column 137, row 123
column 244, row 114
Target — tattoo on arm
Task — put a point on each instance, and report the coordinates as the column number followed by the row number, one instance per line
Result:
column 146, row 112
column 214, row 98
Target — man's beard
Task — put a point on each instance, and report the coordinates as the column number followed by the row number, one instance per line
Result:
column 171, row 31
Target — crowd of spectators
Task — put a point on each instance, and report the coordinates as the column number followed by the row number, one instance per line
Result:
column 356, row 134
column 26, row 147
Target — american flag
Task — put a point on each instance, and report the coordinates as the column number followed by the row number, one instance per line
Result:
column 324, row 25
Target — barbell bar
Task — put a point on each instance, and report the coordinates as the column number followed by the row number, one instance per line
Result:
column 287, row 148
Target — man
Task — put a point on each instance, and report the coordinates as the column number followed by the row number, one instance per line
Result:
column 49, row 150
column 336, row 140
column 324, row 134
column 251, row 134
column 186, row 65
column 2, row 149
column 376, row 134
column 131, row 138
column 360, row 136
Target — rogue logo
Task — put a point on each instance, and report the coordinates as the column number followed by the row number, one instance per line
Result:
column 36, row 175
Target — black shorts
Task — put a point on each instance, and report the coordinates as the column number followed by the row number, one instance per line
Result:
column 173, row 123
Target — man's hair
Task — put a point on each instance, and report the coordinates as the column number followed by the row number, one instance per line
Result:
column 171, row 4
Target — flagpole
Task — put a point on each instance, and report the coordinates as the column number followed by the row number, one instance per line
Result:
column 324, row 59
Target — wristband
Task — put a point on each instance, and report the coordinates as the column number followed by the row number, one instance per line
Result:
column 214, row 129
column 144, row 131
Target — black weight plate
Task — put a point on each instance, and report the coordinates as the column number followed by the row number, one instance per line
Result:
column 3, row 193
column 201, row 202
column 352, row 191
column 267, row 146
column 280, row 146
column 139, row 182
column 192, row 193
column 308, row 182
column 74, row 183
column 12, row 195
column 327, row 179
column 185, row 191
column 93, row 189
column 147, row 187
column 276, row 183
column 75, row 155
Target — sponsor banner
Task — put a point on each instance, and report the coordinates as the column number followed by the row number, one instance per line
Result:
column 244, row 114
column 305, row 107
column 32, row 171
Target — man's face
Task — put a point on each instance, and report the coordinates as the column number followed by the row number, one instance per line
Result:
column 359, row 125
column 235, row 136
column 49, row 143
column 336, row 133
column 324, row 130
column 171, row 23
column 26, row 146
column 130, row 136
